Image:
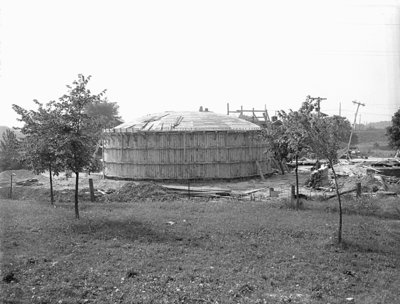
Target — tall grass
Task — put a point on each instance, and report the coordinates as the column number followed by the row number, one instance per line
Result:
column 375, row 206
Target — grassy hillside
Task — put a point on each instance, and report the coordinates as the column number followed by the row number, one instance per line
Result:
column 374, row 143
column 372, row 136
column 379, row 124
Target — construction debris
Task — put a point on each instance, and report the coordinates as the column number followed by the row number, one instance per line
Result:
column 29, row 182
column 198, row 191
column 369, row 174
column 389, row 167
column 319, row 178
column 341, row 193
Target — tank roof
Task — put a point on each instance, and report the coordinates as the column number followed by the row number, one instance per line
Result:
column 186, row 121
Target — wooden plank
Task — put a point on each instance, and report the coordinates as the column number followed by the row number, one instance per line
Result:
column 260, row 170
column 344, row 192
column 193, row 188
column 252, row 191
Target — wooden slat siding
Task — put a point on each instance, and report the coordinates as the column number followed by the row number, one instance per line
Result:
column 162, row 155
column 198, row 155
column 176, row 171
column 181, row 148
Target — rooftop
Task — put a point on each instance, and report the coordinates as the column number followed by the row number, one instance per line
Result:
column 186, row 121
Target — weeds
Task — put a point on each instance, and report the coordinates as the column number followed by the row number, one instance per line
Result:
column 220, row 251
column 375, row 206
column 290, row 204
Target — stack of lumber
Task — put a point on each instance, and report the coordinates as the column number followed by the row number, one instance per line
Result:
column 207, row 191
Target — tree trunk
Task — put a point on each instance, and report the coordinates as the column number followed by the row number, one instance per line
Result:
column 76, row 195
column 51, row 185
column 297, row 184
column 281, row 167
column 340, row 204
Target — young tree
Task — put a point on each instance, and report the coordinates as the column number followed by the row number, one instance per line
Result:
column 327, row 135
column 296, row 125
column 9, row 151
column 393, row 131
column 40, row 144
column 77, row 132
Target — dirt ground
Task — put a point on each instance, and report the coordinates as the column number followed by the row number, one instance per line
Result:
column 27, row 185
column 281, row 184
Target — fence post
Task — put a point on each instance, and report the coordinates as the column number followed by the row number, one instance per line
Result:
column 11, row 185
column 358, row 189
column 92, row 198
column 292, row 194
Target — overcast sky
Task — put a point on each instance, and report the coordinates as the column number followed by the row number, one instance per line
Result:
column 162, row 55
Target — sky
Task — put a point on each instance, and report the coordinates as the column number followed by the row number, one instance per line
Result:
column 158, row 55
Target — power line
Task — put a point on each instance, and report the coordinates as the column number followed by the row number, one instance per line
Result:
column 371, row 24
column 348, row 111
column 361, row 53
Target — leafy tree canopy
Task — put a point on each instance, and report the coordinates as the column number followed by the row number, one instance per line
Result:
column 296, row 125
column 77, row 131
column 105, row 112
column 64, row 134
column 40, row 146
column 393, row 131
column 9, row 151
column 328, row 135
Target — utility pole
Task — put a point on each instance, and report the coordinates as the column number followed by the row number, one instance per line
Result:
column 354, row 125
column 318, row 99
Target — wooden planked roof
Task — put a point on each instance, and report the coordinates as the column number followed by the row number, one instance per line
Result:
column 186, row 121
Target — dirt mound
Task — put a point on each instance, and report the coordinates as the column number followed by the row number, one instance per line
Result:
column 133, row 192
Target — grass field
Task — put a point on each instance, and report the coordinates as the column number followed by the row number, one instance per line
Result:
column 377, row 149
column 374, row 143
column 220, row 251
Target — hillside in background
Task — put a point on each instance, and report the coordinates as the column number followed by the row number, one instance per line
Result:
column 4, row 128
column 372, row 136
column 378, row 125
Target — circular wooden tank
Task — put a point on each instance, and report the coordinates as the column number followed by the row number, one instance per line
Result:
column 183, row 145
